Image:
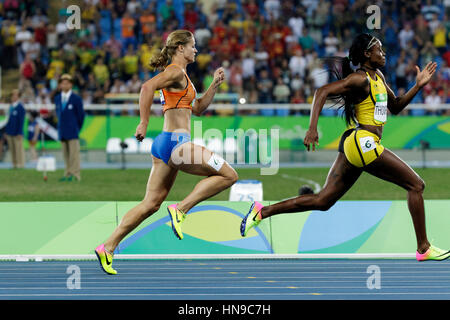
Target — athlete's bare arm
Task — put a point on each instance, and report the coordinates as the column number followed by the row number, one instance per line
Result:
column 355, row 81
column 397, row 104
column 165, row 79
column 202, row 103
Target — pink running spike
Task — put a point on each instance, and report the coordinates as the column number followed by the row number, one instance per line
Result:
column 258, row 206
column 100, row 248
column 423, row 256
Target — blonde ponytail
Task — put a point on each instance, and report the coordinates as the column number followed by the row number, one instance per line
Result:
column 175, row 38
column 160, row 60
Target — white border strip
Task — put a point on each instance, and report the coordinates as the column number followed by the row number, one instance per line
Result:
column 37, row 257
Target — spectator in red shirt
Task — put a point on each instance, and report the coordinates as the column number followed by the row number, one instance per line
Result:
column 298, row 96
column 190, row 17
column 215, row 42
column 251, row 8
column 40, row 34
column 27, row 68
column 220, row 29
column 446, row 57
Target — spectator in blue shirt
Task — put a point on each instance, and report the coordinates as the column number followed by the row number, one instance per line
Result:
column 14, row 130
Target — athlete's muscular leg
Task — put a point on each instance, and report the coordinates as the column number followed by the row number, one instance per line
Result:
column 341, row 177
column 391, row 168
column 196, row 160
column 159, row 183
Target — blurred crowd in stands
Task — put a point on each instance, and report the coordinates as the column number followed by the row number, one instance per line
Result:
column 271, row 49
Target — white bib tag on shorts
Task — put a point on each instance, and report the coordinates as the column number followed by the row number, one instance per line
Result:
column 367, row 144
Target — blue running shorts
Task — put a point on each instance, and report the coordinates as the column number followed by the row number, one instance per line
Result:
column 166, row 142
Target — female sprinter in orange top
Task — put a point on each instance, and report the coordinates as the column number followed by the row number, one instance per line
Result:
column 172, row 150
column 367, row 97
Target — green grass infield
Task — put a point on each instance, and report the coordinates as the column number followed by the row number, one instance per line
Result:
column 130, row 185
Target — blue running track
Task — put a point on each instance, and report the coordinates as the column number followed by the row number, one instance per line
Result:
column 239, row 279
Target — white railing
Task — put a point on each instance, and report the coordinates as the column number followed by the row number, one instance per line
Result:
column 215, row 106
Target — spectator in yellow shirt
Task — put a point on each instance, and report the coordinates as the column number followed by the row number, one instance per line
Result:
column 9, row 53
column 90, row 13
column 203, row 60
column 130, row 63
column 101, row 73
column 56, row 64
column 86, row 57
column 144, row 56
column 440, row 38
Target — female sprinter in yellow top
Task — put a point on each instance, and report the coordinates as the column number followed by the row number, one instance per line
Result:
column 366, row 98
column 172, row 150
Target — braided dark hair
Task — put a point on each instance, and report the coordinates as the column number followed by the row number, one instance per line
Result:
column 340, row 68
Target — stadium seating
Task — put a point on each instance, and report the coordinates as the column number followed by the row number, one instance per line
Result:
column 76, row 52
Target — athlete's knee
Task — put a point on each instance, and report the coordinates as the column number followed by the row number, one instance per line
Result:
column 232, row 177
column 324, row 203
column 150, row 207
column 418, row 186
column 318, row 201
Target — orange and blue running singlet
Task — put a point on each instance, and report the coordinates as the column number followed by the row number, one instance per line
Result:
column 166, row 142
column 182, row 99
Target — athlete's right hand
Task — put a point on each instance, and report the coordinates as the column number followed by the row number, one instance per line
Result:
column 219, row 77
column 141, row 131
column 311, row 137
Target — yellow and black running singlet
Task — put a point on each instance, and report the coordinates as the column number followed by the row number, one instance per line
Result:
column 360, row 146
column 373, row 110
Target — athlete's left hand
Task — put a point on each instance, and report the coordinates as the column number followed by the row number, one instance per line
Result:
column 219, row 77
column 141, row 131
column 424, row 76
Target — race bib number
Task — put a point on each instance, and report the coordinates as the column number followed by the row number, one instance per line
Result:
column 380, row 111
column 161, row 97
column 367, row 144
